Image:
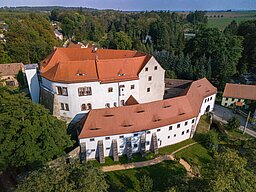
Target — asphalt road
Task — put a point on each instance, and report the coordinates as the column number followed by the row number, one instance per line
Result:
column 224, row 114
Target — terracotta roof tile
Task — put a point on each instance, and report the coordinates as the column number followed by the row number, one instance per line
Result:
column 240, row 91
column 134, row 118
column 104, row 65
column 11, row 68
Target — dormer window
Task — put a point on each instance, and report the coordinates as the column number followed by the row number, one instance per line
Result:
column 80, row 74
column 121, row 74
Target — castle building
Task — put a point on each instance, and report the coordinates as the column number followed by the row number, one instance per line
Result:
column 75, row 81
column 143, row 127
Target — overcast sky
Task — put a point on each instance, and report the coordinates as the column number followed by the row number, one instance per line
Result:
column 140, row 4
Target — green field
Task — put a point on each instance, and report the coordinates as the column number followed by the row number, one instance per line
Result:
column 223, row 19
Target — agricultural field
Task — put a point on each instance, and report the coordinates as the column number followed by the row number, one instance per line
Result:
column 223, row 19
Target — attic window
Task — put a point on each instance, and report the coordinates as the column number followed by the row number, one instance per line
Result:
column 208, row 91
column 108, row 115
column 127, row 125
column 94, row 129
column 121, row 74
column 140, row 111
column 80, row 74
column 155, row 120
column 166, row 106
column 199, row 85
column 182, row 114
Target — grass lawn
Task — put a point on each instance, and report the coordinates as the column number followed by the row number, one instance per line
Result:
column 195, row 155
column 238, row 134
column 222, row 23
column 172, row 148
column 203, row 125
column 163, row 175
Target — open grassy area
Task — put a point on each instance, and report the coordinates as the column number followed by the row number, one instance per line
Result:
column 222, row 23
column 163, row 174
column 203, row 125
column 238, row 134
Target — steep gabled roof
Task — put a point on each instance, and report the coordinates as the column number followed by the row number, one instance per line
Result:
column 103, row 65
column 11, row 68
column 140, row 117
column 240, row 91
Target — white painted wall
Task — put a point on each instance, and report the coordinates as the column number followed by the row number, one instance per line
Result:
column 33, row 84
column 165, row 135
column 156, row 85
column 227, row 102
column 100, row 95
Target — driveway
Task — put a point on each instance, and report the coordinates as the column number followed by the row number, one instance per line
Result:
column 224, row 114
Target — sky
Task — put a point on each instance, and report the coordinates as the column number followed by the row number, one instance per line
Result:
column 141, row 5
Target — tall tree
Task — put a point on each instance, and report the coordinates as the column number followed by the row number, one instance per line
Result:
column 29, row 135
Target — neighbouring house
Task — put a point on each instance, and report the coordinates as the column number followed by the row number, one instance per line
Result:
column 238, row 95
column 143, row 127
column 58, row 34
column 9, row 73
column 77, row 80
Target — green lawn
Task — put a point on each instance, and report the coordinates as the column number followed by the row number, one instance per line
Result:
column 222, row 23
column 203, row 125
column 238, row 134
column 163, row 175
column 196, row 155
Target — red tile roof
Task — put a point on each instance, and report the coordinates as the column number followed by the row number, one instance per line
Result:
column 11, row 69
column 72, row 65
column 140, row 117
column 240, row 91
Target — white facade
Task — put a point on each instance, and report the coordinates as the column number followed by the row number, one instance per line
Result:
column 166, row 135
column 149, row 87
column 32, row 80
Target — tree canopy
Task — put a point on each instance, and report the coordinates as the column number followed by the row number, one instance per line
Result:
column 29, row 135
column 73, row 177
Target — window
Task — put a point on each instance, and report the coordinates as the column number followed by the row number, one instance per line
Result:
column 226, row 99
column 178, row 126
column 107, row 138
column 64, row 106
column 186, row 123
column 92, row 150
column 10, row 83
column 83, row 91
column 187, row 131
column 62, row 91
column 148, row 132
column 67, row 107
column 83, row 107
column 107, row 105
column 226, row 104
column 150, row 78
column 168, row 137
column 146, row 69
column 233, row 99
column 121, row 146
column 193, row 120
column 155, row 67
column 108, row 148
column 135, row 145
column 115, row 105
column 210, row 98
column 174, row 135
column 136, row 134
column 170, row 128
column 122, row 102
column 92, row 139
column 110, row 89
column 158, row 139
column 158, row 130
column 182, row 133
column 132, row 86
column 147, row 143
column 205, row 100
column 148, row 89
column 121, row 136
column 89, row 106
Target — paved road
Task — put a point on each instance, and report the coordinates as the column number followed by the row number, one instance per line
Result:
column 223, row 114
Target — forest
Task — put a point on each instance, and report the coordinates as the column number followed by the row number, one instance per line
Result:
column 217, row 55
